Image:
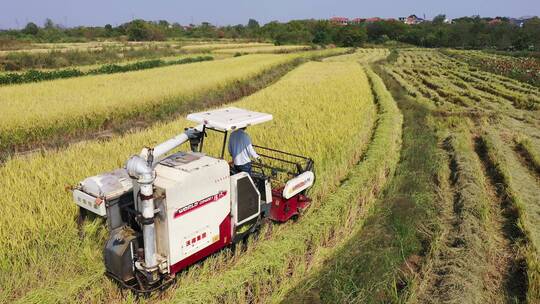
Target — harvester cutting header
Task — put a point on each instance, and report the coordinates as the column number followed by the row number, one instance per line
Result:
column 167, row 211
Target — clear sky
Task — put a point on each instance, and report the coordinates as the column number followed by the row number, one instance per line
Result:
column 16, row 13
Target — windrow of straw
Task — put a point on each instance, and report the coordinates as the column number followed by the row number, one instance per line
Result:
column 460, row 267
column 473, row 255
column 523, row 191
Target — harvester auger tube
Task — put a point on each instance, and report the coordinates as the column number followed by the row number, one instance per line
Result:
column 139, row 169
column 168, row 210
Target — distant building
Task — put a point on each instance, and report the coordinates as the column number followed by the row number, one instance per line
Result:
column 521, row 20
column 339, row 20
column 346, row 21
column 495, row 21
column 373, row 19
column 411, row 20
column 357, row 20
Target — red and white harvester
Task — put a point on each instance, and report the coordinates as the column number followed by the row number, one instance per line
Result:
column 165, row 211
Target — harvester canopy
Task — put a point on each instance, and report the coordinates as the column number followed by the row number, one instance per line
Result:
column 228, row 119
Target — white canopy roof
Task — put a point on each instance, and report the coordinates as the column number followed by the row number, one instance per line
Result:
column 227, row 119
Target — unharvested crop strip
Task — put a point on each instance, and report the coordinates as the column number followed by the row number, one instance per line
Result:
column 362, row 175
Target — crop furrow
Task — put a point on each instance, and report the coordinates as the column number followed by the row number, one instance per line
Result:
column 521, row 191
column 528, row 156
column 460, row 250
column 511, row 268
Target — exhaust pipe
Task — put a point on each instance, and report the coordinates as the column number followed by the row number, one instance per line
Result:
column 138, row 168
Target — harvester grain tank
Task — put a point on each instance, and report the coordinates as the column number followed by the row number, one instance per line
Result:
column 166, row 210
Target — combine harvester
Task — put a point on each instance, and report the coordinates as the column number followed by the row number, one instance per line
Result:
column 165, row 213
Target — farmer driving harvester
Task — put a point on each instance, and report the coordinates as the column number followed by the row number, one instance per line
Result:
column 242, row 151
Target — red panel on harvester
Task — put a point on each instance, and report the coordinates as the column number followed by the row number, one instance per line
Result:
column 283, row 209
column 224, row 240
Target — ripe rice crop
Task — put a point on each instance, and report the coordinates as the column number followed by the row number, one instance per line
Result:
column 362, row 56
column 45, row 234
column 37, row 110
column 263, row 49
column 218, row 46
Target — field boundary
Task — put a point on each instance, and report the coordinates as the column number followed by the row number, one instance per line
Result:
column 39, row 76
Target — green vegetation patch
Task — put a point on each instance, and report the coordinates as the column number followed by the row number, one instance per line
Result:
column 37, row 76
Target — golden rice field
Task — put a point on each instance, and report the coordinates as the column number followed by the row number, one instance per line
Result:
column 71, row 268
column 263, row 49
column 32, row 111
column 97, row 45
column 362, row 56
column 427, row 190
column 36, row 111
column 217, row 46
column 93, row 44
column 88, row 67
column 88, row 47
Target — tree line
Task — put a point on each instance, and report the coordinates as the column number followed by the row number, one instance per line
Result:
column 467, row 32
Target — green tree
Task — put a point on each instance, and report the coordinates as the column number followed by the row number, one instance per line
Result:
column 531, row 34
column 253, row 24
column 351, row 36
column 49, row 24
column 140, row 30
column 31, row 29
column 322, row 33
column 439, row 19
column 163, row 23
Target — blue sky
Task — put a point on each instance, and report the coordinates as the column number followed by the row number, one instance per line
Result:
column 15, row 13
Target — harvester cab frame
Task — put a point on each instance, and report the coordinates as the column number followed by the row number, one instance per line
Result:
column 226, row 121
column 166, row 211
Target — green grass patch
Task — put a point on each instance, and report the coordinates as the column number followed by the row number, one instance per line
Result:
column 37, row 76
